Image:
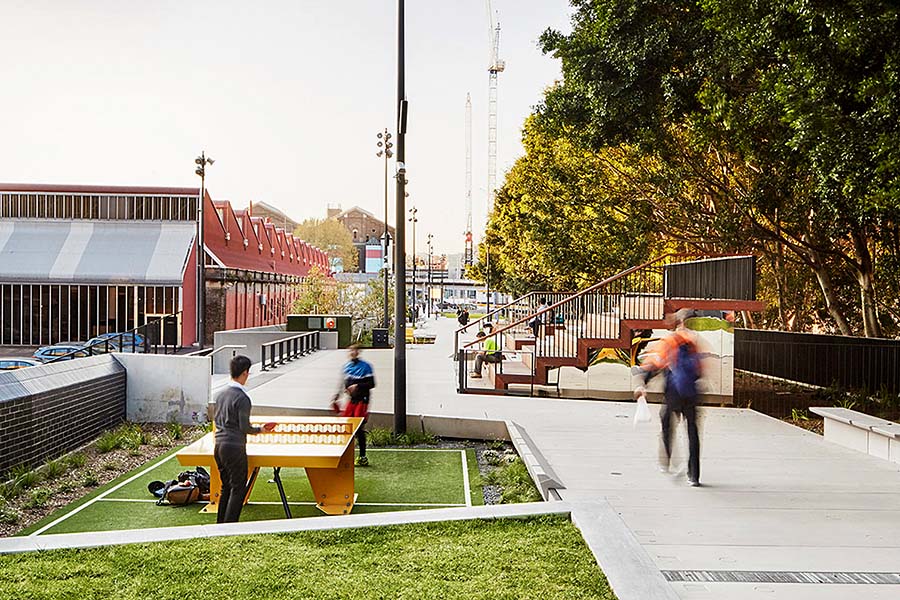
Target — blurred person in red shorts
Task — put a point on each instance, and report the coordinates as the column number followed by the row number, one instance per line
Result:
column 357, row 380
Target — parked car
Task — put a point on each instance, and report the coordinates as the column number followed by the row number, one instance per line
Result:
column 102, row 345
column 126, row 341
column 11, row 363
column 49, row 353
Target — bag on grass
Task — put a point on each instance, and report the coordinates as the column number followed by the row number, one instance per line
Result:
column 642, row 412
column 191, row 486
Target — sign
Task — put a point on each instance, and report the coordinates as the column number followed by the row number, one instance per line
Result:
column 330, row 323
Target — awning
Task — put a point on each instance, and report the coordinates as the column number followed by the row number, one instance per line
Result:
column 118, row 252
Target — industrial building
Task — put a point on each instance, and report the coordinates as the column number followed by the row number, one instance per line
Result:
column 79, row 261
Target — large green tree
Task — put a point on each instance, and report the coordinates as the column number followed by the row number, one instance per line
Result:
column 331, row 236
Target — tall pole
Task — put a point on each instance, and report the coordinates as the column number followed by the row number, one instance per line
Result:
column 428, row 287
column 400, row 244
column 201, row 161
column 413, row 219
column 385, row 150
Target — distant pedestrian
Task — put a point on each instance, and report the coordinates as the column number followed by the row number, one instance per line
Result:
column 463, row 318
column 357, row 380
column 538, row 319
column 232, row 419
column 677, row 356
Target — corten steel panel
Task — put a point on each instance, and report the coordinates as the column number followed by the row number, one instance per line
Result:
column 824, row 360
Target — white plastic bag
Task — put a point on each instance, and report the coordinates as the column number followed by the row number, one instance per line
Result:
column 642, row 412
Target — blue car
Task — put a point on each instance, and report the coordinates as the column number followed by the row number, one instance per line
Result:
column 70, row 351
column 124, row 341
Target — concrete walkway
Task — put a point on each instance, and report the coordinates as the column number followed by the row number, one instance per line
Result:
column 774, row 498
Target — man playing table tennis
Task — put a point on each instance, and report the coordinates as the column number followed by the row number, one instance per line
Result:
column 358, row 378
column 232, row 421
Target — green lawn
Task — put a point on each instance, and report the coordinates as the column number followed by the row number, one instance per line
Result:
column 398, row 479
column 542, row 558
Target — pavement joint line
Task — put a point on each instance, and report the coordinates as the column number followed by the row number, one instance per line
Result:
column 278, row 503
column 192, row 532
column 101, row 496
column 465, row 470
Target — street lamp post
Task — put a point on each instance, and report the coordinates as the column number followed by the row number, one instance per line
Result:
column 201, row 161
column 413, row 219
column 400, row 245
column 428, row 287
column 384, row 149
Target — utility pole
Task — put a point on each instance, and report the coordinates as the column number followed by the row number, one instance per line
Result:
column 428, row 287
column 384, row 139
column 201, row 161
column 400, row 245
column 413, row 219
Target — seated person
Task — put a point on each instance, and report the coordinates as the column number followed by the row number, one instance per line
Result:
column 490, row 352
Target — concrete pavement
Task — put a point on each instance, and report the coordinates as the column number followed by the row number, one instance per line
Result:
column 774, row 497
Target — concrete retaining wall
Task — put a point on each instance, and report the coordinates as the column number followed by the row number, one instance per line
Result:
column 163, row 388
column 253, row 338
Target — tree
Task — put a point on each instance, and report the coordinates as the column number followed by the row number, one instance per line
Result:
column 332, row 237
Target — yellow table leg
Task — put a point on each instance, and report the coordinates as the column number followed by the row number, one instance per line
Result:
column 333, row 488
column 215, row 487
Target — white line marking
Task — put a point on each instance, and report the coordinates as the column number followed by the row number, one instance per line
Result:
column 101, row 496
column 411, row 449
column 278, row 503
column 465, row 468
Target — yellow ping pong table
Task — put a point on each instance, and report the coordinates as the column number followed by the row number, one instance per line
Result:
column 324, row 446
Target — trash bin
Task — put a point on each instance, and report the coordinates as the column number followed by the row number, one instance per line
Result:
column 380, row 338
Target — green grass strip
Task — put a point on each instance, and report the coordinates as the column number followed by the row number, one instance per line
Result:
column 542, row 557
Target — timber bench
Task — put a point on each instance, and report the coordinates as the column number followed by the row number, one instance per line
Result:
column 861, row 432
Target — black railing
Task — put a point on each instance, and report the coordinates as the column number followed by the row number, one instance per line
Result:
column 732, row 278
column 849, row 363
column 285, row 350
column 159, row 336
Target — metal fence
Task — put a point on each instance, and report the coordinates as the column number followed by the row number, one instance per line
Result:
column 281, row 351
column 726, row 277
column 850, row 363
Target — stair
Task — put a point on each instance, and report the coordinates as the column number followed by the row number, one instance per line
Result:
column 606, row 314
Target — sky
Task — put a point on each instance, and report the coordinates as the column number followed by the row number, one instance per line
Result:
column 286, row 96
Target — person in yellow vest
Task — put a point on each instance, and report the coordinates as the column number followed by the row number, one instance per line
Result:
column 490, row 351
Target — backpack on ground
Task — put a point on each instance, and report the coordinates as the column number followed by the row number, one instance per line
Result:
column 685, row 372
column 189, row 487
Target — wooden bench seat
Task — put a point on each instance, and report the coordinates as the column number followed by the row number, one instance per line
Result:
column 861, row 432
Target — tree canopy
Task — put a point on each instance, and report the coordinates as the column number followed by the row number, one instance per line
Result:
column 717, row 125
column 332, row 237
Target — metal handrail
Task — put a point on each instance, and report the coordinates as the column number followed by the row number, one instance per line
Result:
column 139, row 330
column 495, row 311
column 600, row 285
column 289, row 348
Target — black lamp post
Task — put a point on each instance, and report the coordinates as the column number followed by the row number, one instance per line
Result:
column 400, row 245
column 201, row 161
column 384, row 149
column 413, row 219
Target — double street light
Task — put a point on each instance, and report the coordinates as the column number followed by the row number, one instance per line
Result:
column 414, row 219
column 384, row 150
column 201, row 161
column 428, row 288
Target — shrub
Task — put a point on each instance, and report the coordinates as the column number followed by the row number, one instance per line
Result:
column 38, row 498
column 8, row 516
column 492, row 457
column 515, row 483
column 54, row 469
column 76, row 460
column 497, row 445
column 385, row 437
column 108, row 441
column 159, row 441
column 11, row 489
column 380, row 437
column 24, row 476
column 110, row 465
column 130, row 436
column 90, row 480
column 175, row 429
column 66, row 487
column 798, row 415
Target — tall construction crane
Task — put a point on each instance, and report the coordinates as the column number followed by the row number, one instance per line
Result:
column 495, row 67
column 468, row 256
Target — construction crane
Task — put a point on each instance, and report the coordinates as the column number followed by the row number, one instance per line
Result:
column 495, row 67
column 468, row 256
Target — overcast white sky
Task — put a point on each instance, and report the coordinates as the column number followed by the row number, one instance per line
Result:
column 287, row 96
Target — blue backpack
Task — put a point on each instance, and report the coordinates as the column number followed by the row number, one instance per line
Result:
column 684, row 374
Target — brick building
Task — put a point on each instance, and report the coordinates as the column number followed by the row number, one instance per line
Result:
column 366, row 230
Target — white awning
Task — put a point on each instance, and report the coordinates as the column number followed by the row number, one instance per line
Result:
column 102, row 252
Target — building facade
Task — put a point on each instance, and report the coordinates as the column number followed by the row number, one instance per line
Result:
column 80, row 261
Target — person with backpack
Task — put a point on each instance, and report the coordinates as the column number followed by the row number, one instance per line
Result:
column 463, row 317
column 232, row 420
column 538, row 319
column 677, row 356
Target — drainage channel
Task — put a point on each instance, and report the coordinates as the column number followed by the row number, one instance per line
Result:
column 815, row 577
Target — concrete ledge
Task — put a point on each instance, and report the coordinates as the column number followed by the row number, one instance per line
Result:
column 631, row 572
column 861, row 432
column 538, row 467
column 191, row 532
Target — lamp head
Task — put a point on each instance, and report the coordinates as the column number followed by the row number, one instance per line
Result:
column 380, row 135
column 210, row 161
column 199, row 172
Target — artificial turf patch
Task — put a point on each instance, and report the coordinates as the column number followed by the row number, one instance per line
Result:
column 542, row 557
column 400, row 479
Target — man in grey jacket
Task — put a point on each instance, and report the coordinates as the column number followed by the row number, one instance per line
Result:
column 232, row 426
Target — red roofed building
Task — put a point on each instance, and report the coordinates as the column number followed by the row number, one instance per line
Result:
column 79, row 261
